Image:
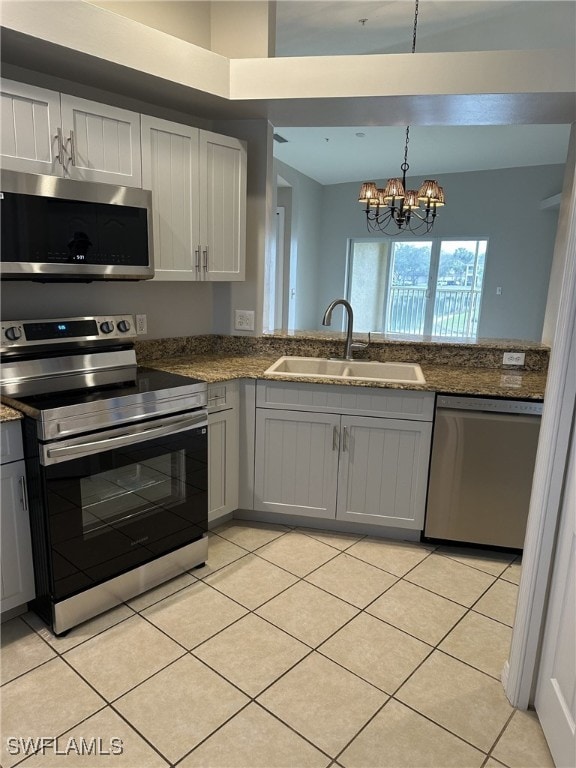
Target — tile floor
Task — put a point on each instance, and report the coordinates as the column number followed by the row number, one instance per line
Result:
column 291, row 648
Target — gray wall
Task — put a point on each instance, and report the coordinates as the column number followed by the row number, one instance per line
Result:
column 173, row 309
column 307, row 206
column 503, row 205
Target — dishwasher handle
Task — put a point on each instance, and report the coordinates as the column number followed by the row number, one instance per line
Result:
column 490, row 405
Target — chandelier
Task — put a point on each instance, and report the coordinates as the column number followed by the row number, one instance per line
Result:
column 394, row 208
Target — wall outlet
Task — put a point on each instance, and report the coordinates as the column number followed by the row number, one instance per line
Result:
column 243, row 320
column 141, row 324
column 513, row 358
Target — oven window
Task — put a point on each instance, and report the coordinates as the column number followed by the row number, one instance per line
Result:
column 111, row 511
column 133, row 491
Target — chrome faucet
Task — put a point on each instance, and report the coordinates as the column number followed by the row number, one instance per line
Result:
column 327, row 320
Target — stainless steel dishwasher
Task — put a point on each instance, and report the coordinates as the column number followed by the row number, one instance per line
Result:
column 483, row 455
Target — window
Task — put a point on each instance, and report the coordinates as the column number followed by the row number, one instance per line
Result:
column 423, row 287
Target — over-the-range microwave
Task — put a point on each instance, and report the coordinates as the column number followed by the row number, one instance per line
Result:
column 57, row 229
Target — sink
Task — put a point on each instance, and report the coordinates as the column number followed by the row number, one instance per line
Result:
column 360, row 370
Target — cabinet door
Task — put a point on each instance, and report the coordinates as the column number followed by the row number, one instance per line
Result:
column 222, row 463
column 30, row 122
column 102, row 142
column 16, row 551
column 383, row 471
column 222, row 206
column 296, row 462
column 170, row 170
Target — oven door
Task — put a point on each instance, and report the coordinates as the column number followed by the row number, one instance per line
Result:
column 120, row 498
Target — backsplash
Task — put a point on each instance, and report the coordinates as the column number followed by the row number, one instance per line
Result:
column 481, row 354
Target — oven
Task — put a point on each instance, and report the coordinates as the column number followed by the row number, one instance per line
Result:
column 117, row 475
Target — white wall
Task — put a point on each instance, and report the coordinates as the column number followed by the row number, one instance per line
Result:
column 561, row 252
column 502, row 205
column 189, row 21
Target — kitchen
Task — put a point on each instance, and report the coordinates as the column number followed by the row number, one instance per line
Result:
column 195, row 315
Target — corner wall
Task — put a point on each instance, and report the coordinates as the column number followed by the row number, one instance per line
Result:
column 305, row 247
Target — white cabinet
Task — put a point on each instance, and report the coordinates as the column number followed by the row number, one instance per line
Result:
column 383, row 471
column 198, row 183
column 222, row 206
column 360, row 455
column 60, row 135
column 296, row 468
column 17, row 573
column 30, row 123
column 223, row 447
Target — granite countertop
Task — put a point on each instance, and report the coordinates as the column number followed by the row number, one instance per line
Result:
column 464, row 374
column 9, row 414
column 489, row 382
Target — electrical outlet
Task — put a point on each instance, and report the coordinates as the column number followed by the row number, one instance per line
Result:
column 141, row 324
column 243, row 320
column 513, row 358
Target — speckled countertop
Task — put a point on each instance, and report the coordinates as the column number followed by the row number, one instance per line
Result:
column 439, row 378
column 9, row 414
column 450, row 367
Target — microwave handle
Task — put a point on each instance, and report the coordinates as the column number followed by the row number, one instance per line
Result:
column 99, row 445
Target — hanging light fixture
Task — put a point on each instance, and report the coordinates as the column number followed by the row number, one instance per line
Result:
column 395, row 209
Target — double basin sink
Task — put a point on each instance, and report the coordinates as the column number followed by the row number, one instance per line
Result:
column 347, row 370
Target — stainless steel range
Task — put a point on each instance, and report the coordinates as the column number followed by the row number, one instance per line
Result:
column 116, row 462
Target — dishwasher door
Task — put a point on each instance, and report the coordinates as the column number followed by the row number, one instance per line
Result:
column 483, row 456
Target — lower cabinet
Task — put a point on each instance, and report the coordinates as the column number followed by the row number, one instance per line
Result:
column 17, row 571
column 368, row 469
column 222, row 450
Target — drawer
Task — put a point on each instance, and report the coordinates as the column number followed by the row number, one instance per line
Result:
column 222, row 396
column 11, row 441
column 363, row 401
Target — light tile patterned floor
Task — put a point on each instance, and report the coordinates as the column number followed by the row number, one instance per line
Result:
column 290, row 648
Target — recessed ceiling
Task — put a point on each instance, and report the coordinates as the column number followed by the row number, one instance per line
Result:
column 333, row 155
column 338, row 155
column 324, row 27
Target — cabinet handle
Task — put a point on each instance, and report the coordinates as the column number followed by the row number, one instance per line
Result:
column 206, row 259
column 345, row 439
column 335, row 439
column 197, row 259
column 23, row 493
column 72, row 141
column 60, row 145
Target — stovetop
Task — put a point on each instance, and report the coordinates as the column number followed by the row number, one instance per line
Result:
column 147, row 381
column 152, row 394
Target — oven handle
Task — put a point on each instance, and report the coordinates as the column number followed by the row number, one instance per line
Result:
column 160, row 429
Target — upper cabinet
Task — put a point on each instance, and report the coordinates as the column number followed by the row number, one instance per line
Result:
column 60, row 135
column 222, row 206
column 197, row 178
column 198, row 183
column 30, row 125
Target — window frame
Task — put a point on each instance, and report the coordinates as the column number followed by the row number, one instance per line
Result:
column 432, row 286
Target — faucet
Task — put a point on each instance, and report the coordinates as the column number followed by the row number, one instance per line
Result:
column 327, row 320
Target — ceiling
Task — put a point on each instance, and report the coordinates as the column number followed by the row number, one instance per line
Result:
column 334, row 27
column 338, row 155
column 333, row 155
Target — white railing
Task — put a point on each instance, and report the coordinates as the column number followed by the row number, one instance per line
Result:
column 455, row 311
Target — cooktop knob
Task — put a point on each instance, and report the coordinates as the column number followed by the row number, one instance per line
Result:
column 107, row 326
column 123, row 326
column 13, row 333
